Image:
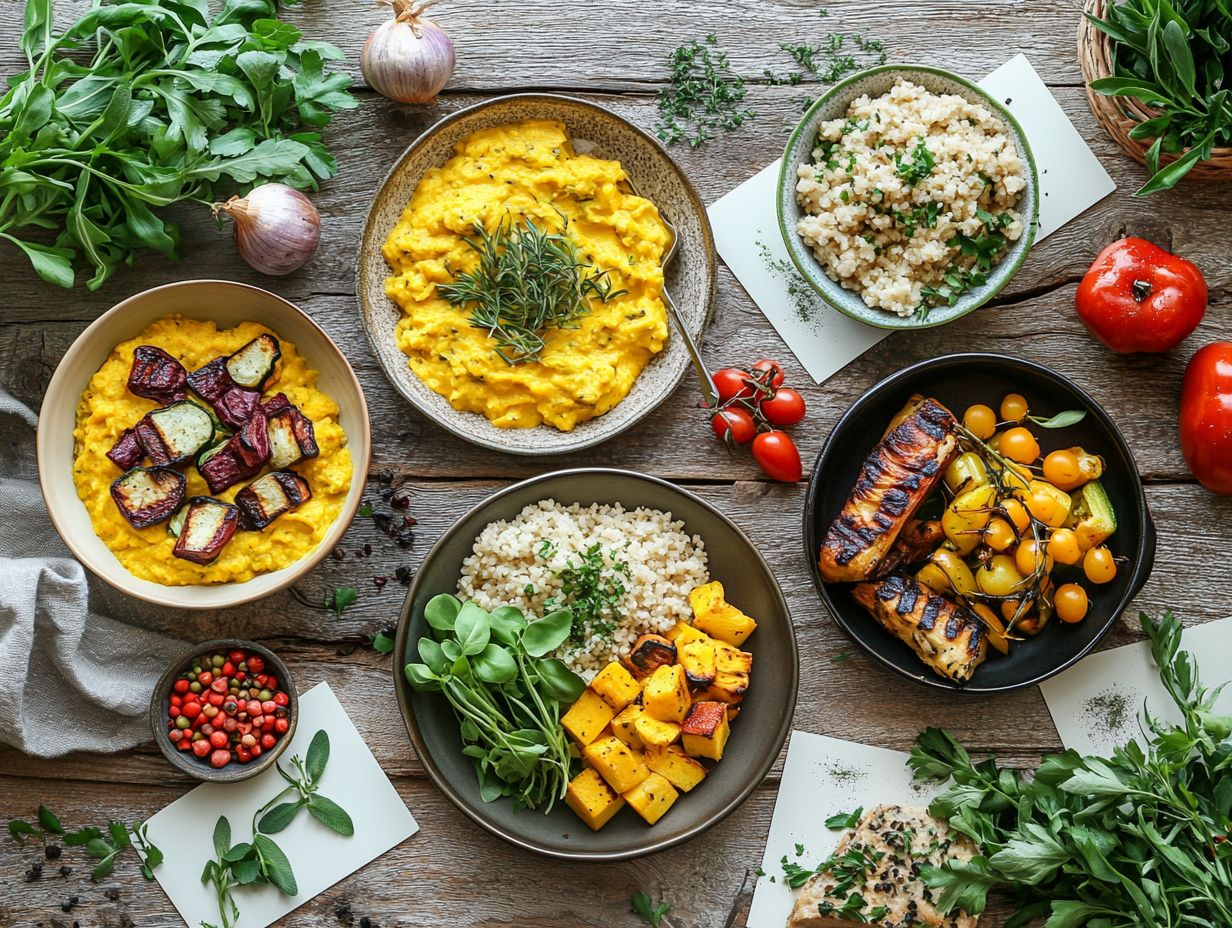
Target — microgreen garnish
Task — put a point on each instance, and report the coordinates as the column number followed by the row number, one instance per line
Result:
column 528, row 282
column 383, row 641
column 340, row 598
column 650, row 913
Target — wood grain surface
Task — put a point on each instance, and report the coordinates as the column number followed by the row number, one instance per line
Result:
column 614, row 51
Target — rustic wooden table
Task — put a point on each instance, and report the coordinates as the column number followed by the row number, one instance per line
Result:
column 613, row 51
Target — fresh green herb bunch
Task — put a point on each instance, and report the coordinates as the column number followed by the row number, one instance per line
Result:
column 260, row 861
column 592, row 588
column 1138, row 839
column 507, row 694
column 99, row 844
column 704, row 94
column 1172, row 56
column 143, row 103
column 528, row 282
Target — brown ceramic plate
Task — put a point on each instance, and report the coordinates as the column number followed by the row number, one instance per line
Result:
column 599, row 131
column 757, row 734
column 227, row 304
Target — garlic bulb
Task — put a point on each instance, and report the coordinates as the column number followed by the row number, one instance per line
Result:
column 408, row 58
column 277, row 229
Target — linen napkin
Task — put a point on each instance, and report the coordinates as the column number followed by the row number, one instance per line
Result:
column 70, row 679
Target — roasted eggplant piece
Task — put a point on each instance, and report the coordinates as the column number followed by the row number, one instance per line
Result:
column 146, row 496
column 291, row 436
column 254, row 363
column 211, row 381
column 157, row 376
column 242, row 456
column 236, row 406
column 650, row 652
column 126, row 452
column 947, row 637
column 174, row 433
column 208, row 526
column 234, row 403
column 895, row 478
column 268, row 497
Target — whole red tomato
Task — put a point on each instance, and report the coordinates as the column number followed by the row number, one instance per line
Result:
column 1138, row 297
column 776, row 454
column 731, row 383
column 785, row 407
column 1206, row 417
column 734, row 425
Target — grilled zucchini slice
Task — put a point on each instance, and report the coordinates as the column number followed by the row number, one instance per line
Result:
column 253, row 364
column 268, row 497
column 208, row 526
column 174, row 433
column 147, row 495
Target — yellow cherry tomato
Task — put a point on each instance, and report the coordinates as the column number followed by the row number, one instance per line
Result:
column 1071, row 602
column 980, row 420
column 1062, row 470
column 1018, row 444
column 964, row 519
column 1048, row 504
column 1099, row 565
column 1017, row 514
column 1014, row 407
column 999, row 535
column 962, row 581
column 999, row 576
column 1010, row 608
column 1063, row 547
column 1028, row 558
column 966, row 472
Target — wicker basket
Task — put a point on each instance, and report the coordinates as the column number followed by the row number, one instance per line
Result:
column 1118, row 115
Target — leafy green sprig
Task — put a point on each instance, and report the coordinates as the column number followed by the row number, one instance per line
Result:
column 103, row 845
column 703, row 94
column 140, row 104
column 1138, row 838
column 528, row 282
column 650, row 912
column 507, row 694
column 261, row 861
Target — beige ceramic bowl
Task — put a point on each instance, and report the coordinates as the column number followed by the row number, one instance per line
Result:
column 227, row 304
column 595, row 130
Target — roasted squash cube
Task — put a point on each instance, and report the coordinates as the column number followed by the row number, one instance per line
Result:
column 652, row 797
column 665, row 695
column 733, row 660
column 616, row 685
column 732, row 712
column 654, row 733
column 650, row 652
column 715, row 616
column 616, row 763
column 728, row 688
column 682, row 771
column 624, row 726
column 706, row 730
column 699, row 661
column 587, row 717
column 592, row 799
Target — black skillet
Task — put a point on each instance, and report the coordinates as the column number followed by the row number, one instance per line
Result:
column 958, row 381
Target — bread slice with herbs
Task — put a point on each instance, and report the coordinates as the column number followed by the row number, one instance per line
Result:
column 873, row 877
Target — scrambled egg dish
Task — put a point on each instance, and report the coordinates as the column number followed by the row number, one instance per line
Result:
column 107, row 407
column 529, row 170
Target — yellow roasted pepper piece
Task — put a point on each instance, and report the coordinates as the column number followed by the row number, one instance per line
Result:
column 592, row 799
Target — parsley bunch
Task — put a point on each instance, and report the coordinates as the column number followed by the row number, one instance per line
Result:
column 140, row 104
column 1136, row 839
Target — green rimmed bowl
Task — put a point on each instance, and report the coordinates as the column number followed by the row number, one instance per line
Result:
column 833, row 105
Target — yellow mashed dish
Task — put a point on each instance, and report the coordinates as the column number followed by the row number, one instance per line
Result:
column 529, row 171
column 107, row 408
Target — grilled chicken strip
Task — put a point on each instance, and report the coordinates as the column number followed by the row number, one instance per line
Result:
column 947, row 637
column 896, row 477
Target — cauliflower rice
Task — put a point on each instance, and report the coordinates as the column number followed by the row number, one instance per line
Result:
column 518, row 563
column 911, row 197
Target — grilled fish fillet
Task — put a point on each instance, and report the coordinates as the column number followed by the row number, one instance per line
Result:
column 906, row 838
column 947, row 637
column 896, row 477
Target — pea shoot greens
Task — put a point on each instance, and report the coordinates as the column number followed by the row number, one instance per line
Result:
column 140, row 104
column 507, row 694
column 1139, row 838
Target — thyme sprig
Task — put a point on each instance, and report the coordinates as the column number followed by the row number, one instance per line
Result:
column 528, row 282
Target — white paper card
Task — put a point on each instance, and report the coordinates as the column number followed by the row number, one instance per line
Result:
column 1098, row 703
column 747, row 234
column 319, row 857
column 822, row 777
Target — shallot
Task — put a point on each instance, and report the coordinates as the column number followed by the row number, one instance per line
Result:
column 277, row 229
column 408, row 58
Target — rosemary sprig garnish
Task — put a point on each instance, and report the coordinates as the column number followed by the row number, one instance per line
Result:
column 528, row 281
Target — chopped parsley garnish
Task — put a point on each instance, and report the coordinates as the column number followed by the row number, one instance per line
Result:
column 845, row 819
column 593, row 588
column 703, row 95
column 918, row 166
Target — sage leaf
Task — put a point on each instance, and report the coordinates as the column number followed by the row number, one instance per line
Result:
column 1061, row 420
column 18, row 829
column 222, row 836
column 317, row 756
column 330, row 814
column 279, row 817
column 275, row 866
column 246, row 871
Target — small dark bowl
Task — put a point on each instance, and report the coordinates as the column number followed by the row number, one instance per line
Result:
column 187, row 761
column 757, row 735
column 958, row 381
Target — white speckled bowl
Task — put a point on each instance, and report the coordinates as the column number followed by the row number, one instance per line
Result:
column 832, row 105
column 690, row 276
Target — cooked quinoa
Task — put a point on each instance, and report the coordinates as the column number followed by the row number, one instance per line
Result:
column 643, row 560
column 911, row 197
